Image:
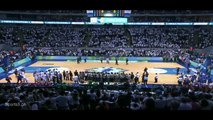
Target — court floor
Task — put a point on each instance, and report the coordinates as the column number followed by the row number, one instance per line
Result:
column 166, row 71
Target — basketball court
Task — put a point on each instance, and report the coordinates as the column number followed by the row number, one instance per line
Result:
column 166, row 70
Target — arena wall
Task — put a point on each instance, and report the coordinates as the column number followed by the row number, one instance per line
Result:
column 94, row 58
column 23, row 61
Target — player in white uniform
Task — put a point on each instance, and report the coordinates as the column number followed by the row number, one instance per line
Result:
column 51, row 75
column 35, row 76
column 137, row 76
column 48, row 76
column 75, row 78
column 22, row 74
column 39, row 76
column 107, row 60
column 24, row 79
column 42, row 74
column 44, row 77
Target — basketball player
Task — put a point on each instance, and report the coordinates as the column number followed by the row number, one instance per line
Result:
column 19, row 78
column 137, row 76
column 156, row 78
column 132, row 76
column 71, row 75
column 51, row 75
column 16, row 72
column 76, row 73
column 145, row 75
column 178, row 69
column 64, row 74
column 67, row 75
column 116, row 61
column 75, row 78
column 107, row 60
column 85, row 60
column 8, row 79
column 44, row 77
column 101, row 60
column 127, row 60
column 60, row 76
column 79, row 58
column 25, row 80
column 180, row 80
column 35, row 76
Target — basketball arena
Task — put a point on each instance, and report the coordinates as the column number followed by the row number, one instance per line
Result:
column 106, row 60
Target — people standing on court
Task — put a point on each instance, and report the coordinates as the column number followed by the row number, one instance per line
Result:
column 101, row 58
column 71, row 75
column 24, row 79
column 107, row 60
column 35, row 75
column 85, row 60
column 180, row 79
column 19, row 78
column 127, row 60
column 67, row 75
column 132, row 76
column 178, row 69
column 75, row 78
column 137, row 76
column 78, row 60
column 8, row 79
column 64, row 74
column 156, row 77
column 145, row 76
column 76, row 73
column 60, row 77
column 55, row 78
column 116, row 61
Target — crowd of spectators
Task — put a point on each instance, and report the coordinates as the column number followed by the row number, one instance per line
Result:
column 104, row 52
column 64, row 40
column 42, row 36
column 13, row 56
column 132, row 11
column 66, row 97
column 171, row 37
column 107, row 37
column 59, row 18
column 48, row 11
column 171, row 11
column 170, row 19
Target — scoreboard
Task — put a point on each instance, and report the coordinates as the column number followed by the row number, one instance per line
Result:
column 108, row 13
column 103, row 20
